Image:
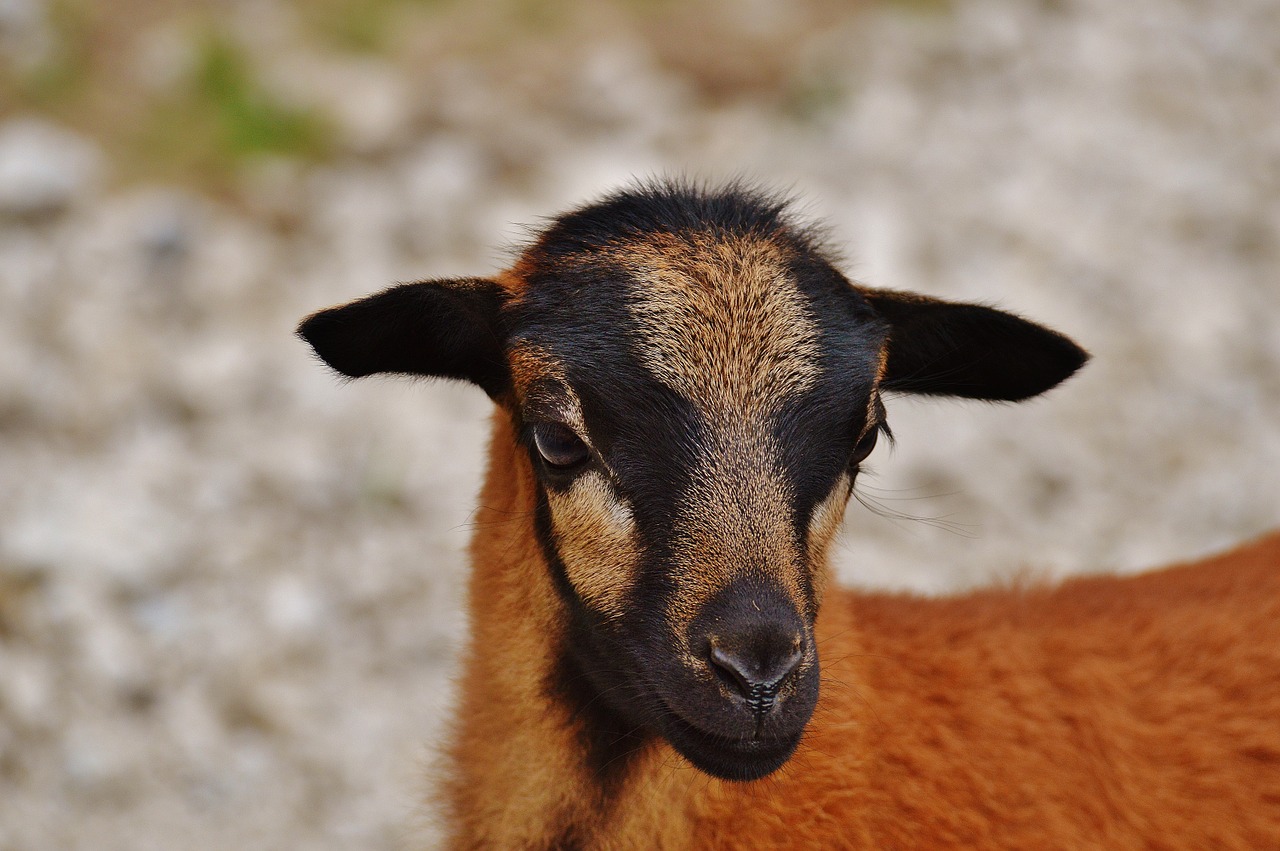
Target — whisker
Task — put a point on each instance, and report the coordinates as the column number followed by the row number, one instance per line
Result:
column 877, row 507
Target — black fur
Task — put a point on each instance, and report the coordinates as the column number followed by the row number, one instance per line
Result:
column 608, row 739
column 448, row 329
column 942, row 348
column 677, row 208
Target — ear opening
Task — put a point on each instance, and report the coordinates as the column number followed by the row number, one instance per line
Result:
column 952, row 349
column 445, row 328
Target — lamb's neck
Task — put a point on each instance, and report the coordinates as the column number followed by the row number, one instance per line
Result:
column 521, row 765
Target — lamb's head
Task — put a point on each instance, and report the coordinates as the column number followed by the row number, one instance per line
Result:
column 695, row 386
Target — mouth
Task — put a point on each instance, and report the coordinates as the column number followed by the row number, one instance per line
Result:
column 725, row 757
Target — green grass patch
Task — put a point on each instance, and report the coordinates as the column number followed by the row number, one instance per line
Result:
column 222, row 117
column 249, row 120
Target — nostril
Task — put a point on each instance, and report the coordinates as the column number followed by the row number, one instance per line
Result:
column 757, row 675
column 731, row 668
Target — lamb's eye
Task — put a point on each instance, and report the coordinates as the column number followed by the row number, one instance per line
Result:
column 864, row 447
column 559, row 447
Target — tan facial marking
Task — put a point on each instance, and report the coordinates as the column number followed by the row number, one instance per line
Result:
column 723, row 324
column 824, row 523
column 593, row 526
column 532, row 365
column 734, row 519
column 595, row 535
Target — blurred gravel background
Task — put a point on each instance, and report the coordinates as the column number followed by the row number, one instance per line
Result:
column 229, row 583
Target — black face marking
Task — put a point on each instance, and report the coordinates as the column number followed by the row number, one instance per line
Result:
column 608, row 738
column 679, row 460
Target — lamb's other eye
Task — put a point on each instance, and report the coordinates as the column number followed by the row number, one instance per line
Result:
column 559, row 447
column 864, row 447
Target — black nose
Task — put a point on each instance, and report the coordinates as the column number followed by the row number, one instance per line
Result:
column 758, row 661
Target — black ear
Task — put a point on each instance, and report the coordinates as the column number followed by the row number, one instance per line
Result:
column 949, row 349
column 449, row 329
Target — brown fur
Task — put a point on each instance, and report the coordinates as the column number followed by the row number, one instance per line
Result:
column 1137, row 712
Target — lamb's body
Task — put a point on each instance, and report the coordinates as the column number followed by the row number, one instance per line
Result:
column 1117, row 713
column 1110, row 713
column 686, row 390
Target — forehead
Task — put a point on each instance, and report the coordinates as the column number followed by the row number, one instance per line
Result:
column 719, row 301
column 722, row 321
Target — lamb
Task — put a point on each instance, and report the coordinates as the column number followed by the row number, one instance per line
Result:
column 685, row 389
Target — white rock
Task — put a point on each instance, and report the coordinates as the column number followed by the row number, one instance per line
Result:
column 43, row 168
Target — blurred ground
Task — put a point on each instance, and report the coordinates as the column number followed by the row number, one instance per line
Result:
column 229, row 583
